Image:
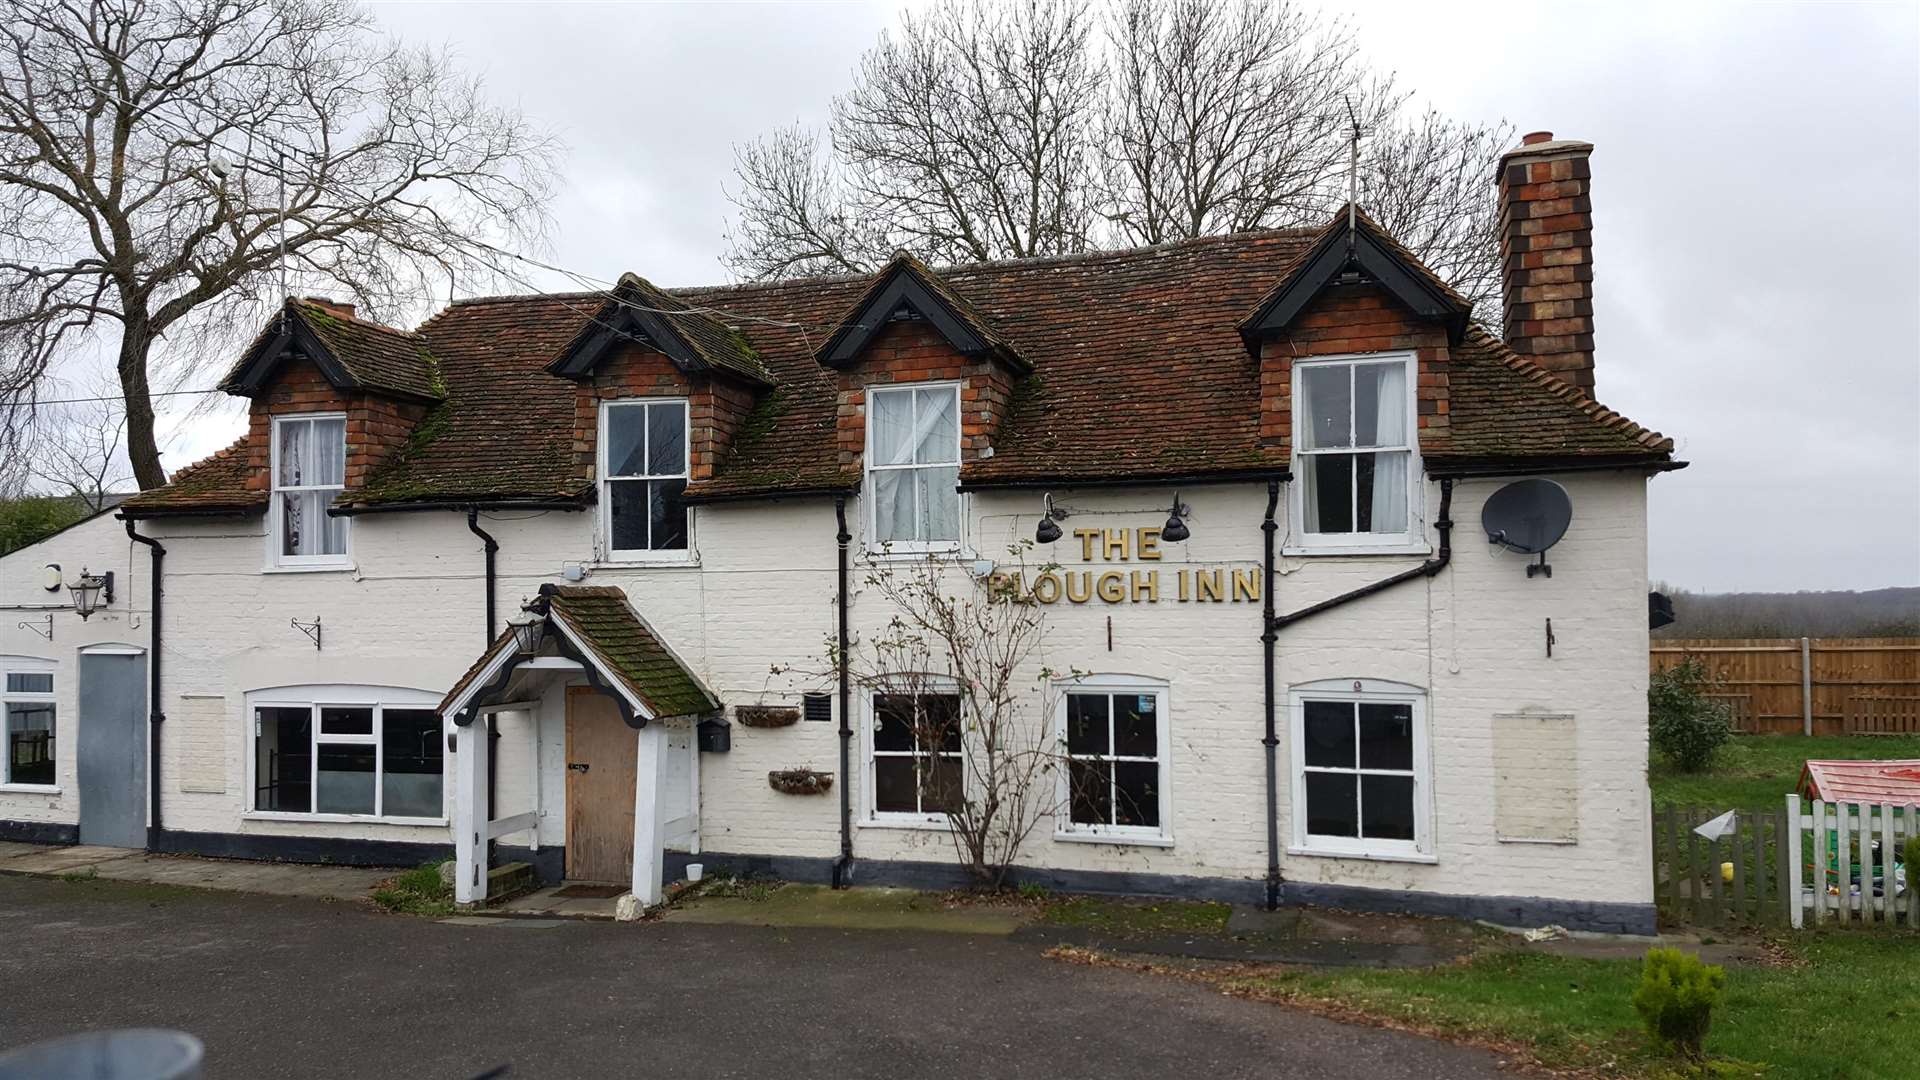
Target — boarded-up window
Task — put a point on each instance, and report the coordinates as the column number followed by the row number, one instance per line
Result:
column 1536, row 781
column 199, row 737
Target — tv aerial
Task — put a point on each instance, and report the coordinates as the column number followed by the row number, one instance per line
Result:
column 1528, row 516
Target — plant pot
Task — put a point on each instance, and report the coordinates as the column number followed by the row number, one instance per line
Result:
column 800, row 781
column 766, row 716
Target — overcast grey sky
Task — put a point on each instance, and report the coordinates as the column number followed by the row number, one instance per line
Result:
column 1757, row 218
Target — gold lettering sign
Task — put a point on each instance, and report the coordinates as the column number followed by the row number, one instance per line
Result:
column 1214, row 585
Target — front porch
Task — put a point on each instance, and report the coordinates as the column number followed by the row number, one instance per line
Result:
column 584, row 697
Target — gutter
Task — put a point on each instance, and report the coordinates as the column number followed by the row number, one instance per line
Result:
column 155, row 715
column 1471, row 471
column 1275, row 623
column 1271, row 741
column 838, row 492
column 1016, row 483
column 464, row 506
column 843, row 866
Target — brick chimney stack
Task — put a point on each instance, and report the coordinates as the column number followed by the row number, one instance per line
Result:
column 1546, row 254
column 336, row 307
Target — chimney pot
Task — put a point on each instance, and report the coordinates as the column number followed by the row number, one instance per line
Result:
column 1546, row 248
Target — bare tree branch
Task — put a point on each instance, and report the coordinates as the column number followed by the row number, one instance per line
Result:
column 144, row 148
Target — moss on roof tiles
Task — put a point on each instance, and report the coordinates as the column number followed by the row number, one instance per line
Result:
column 612, row 629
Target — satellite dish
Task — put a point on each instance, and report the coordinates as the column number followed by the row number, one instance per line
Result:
column 1528, row 516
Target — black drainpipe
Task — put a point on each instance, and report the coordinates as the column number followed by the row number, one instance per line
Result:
column 1275, row 623
column 493, row 731
column 1272, row 739
column 156, row 716
column 843, row 866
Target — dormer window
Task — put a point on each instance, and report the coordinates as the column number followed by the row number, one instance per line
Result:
column 913, row 467
column 643, row 470
column 309, row 471
column 1355, row 468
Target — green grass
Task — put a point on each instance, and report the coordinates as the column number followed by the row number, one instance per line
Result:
column 1137, row 918
column 1755, row 772
column 416, row 892
column 1848, row 1008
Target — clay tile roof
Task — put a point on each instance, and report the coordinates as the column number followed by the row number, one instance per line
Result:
column 1138, row 372
column 1884, row 781
column 378, row 357
column 698, row 339
column 214, row 484
column 860, row 320
column 607, row 625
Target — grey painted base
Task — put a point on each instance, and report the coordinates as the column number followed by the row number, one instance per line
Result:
column 39, row 832
column 325, row 850
column 1504, row 910
column 549, row 863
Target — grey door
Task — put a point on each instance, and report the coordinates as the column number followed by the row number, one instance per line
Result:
column 112, row 748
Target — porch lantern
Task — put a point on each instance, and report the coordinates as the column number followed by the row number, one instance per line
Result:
column 87, row 592
column 528, row 627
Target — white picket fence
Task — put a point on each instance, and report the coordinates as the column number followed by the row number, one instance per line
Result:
column 1843, row 863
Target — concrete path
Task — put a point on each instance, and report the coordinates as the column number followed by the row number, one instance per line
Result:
column 229, row 875
column 290, row 987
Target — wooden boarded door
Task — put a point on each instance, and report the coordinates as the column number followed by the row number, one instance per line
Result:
column 601, row 771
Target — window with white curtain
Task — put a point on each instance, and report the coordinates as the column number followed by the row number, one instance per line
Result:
column 309, row 471
column 643, row 455
column 913, row 467
column 1356, row 472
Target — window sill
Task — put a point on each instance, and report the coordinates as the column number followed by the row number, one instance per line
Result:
column 1548, row 841
column 684, row 562
column 955, row 553
column 1365, row 856
column 1116, row 839
column 341, row 819
column 1394, row 548
column 29, row 789
column 316, row 568
column 907, row 823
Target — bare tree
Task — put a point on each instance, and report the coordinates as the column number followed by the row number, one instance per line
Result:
column 1429, row 181
column 962, row 705
column 147, row 149
column 795, row 213
column 1223, row 117
column 76, row 451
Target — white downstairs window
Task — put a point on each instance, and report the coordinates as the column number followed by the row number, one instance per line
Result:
column 913, row 467
column 1361, row 777
column 309, row 472
column 348, row 752
column 1114, row 731
column 1355, row 466
column 26, row 720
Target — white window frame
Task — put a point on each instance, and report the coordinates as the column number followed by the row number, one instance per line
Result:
column 875, row 545
column 276, row 512
column 870, row 717
column 318, row 697
column 608, row 553
column 1366, row 691
column 27, row 665
column 1410, row 541
column 1065, row 828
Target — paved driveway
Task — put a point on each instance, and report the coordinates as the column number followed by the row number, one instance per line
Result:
column 283, row 987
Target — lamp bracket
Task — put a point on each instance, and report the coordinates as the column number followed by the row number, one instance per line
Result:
column 312, row 629
column 35, row 627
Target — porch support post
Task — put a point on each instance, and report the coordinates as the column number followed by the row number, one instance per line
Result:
column 471, row 813
column 649, row 820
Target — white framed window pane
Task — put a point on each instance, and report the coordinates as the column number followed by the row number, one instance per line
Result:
column 29, row 682
column 1386, row 807
column 346, row 720
column 1326, row 414
column 1332, row 804
column 283, row 760
column 1386, row 735
column 1136, row 793
column 626, row 440
column 667, row 515
column 1380, row 496
column 1327, row 495
column 893, row 514
column 628, row 514
column 1328, row 732
column 411, row 763
column 328, row 451
column 344, row 781
column 295, row 445
column 1380, row 404
column 939, row 502
column 29, row 746
column 937, row 426
column 891, row 413
column 666, row 439
column 305, row 528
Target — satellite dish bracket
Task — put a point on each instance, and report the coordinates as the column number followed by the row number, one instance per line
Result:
column 1540, row 567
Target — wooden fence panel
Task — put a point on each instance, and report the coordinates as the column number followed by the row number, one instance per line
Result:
column 1845, row 862
column 1768, row 674
column 1735, row 880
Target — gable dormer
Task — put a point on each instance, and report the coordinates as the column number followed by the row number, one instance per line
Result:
column 911, row 326
column 643, row 342
column 316, row 357
column 1356, row 292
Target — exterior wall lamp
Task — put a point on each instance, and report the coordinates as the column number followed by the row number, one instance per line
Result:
column 1049, row 529
column 529, row 625
column 88, row 590
column 1176, row 527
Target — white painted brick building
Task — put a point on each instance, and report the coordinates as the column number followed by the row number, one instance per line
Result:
column 1498, row 718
